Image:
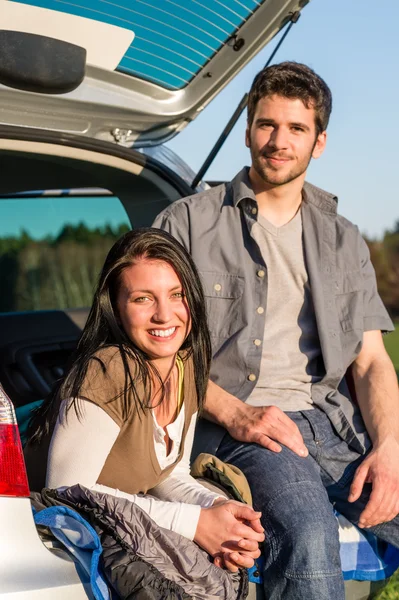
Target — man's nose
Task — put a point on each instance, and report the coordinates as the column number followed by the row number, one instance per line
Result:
column 279, row 138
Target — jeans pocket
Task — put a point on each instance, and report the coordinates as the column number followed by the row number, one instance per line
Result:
column 316, row 428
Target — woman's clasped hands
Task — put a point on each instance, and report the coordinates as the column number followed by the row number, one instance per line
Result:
column 230, row 532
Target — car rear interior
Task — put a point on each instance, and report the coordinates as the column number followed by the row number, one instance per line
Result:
column 35, row 344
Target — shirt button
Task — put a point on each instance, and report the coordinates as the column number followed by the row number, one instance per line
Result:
column 254, row 210
column 260, row 310
column 260, row 273
column 217, row 287
column 252, row 377
column 257, row 342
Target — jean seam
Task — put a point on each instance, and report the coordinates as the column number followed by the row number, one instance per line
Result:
column 313, row 574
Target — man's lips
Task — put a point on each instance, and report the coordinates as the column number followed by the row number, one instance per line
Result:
column 277, row 160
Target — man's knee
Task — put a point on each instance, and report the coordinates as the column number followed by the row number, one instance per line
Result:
column 302, row 533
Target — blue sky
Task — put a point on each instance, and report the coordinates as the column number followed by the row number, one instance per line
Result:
column 354, row 46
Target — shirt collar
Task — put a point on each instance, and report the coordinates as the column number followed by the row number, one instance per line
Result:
column 323, row 200
column 241, row 187
column 242, row 190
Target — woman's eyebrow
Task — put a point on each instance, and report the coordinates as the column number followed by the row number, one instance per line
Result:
column 139, row 291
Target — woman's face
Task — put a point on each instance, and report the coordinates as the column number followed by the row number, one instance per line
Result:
column 152, row 308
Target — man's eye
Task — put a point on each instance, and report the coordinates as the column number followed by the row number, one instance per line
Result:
column 298, row 128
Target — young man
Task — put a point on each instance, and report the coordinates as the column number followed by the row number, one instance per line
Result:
column 296, row 320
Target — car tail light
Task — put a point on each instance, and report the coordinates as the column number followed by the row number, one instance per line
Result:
column 13, row 478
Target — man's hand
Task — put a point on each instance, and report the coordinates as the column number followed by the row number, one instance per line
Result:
column 381, row 469
column 267, row 426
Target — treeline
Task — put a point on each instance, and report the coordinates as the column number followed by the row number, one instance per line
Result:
column 61, row 271
column 54, row 272
column 385, row 258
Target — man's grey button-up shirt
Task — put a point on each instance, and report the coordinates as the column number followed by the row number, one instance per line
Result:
column 215, row 227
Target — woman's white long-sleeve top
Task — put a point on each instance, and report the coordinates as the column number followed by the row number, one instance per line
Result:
column 79, row 448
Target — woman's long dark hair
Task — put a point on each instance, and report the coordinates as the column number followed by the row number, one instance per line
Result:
column 103, row 329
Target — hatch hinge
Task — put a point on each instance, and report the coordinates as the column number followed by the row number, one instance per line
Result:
column 122, row 136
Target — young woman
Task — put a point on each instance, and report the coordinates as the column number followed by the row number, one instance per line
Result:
column 123, row 418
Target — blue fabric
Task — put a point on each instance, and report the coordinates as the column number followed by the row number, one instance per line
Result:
column 81, row 540
column 364, row 557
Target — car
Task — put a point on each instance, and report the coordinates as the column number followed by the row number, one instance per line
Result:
column 89, row 93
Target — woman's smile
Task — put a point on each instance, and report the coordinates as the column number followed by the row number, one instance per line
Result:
column 163, row 333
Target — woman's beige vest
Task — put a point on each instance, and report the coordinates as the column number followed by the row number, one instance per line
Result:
column 131, row 465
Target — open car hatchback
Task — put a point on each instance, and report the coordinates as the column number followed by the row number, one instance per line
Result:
column 89, row 92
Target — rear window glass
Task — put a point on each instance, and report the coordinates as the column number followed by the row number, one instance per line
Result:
column 173, row 40
column 52, row 249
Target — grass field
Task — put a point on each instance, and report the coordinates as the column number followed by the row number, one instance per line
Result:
column 391, row 591
column 392, row 345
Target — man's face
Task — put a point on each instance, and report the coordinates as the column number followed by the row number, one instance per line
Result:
column 282, row 139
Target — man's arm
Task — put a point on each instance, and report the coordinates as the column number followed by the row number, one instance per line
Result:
column 377, row 393
column 266, row 425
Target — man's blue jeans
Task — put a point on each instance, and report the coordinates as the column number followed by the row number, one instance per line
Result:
column 295, row 496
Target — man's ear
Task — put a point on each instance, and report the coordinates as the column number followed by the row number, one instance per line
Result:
column 320, row 145
column 248, row 136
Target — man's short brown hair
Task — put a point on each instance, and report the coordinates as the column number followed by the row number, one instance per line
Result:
column 292, row 80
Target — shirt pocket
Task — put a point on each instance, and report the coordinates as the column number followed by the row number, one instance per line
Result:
column 349, row 300
column 223, row 297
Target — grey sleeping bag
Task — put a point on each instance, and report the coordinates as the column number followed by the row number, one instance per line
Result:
column 144, row 561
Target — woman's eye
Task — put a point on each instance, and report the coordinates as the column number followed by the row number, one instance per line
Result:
column 141, row 299
column 178, row 295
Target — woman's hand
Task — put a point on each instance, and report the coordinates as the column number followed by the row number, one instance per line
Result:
column 244, row 559
column 230, row 531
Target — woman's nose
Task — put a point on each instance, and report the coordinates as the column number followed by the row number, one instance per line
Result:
column 163, row 312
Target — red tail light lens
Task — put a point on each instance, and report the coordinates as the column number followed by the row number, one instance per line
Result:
column 13, row 478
